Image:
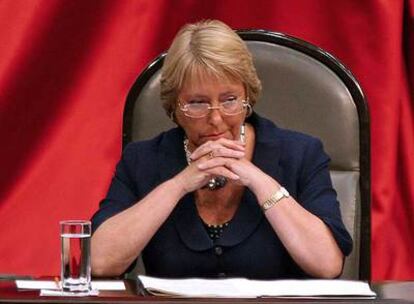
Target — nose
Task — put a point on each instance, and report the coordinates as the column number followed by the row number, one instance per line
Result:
column 215, row 117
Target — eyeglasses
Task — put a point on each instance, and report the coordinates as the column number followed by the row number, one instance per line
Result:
column 201, row 109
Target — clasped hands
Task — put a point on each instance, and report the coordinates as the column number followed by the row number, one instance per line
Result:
column 222, row 157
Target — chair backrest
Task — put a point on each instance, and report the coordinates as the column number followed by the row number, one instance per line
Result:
column 304, row 89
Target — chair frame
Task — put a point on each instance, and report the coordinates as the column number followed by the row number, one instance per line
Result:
column 350, row 82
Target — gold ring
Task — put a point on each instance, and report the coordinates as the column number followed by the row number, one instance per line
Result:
column 211, row 155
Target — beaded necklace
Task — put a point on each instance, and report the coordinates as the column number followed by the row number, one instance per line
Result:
column 215, row 231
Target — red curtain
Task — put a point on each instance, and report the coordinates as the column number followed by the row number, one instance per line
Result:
column 65, row 70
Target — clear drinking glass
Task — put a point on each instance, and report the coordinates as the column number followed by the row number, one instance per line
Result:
column 75, row 238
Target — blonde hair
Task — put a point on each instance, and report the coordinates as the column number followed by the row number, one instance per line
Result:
column 207, row 47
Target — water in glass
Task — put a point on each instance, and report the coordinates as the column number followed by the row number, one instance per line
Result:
column 75, row 259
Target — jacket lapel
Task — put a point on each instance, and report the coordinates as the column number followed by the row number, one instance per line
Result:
column 268, row 146
column 171, row 157
column 189, row 225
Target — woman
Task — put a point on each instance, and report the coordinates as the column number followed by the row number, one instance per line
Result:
column 226, row 193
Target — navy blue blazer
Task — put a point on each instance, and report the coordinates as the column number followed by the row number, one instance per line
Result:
column 248, row 247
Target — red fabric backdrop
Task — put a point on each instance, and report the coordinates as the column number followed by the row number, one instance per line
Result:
column 65, row 70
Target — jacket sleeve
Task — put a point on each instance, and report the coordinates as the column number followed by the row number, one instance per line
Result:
column 317, row 195
column 122, row 193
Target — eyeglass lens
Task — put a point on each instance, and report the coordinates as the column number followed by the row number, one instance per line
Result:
column 230, row 107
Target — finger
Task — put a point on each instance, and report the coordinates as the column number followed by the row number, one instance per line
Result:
column 231, row 144
column 217, row 148
column 222, row 171
column 237, row 144
column 225, row 152
column 214, row 162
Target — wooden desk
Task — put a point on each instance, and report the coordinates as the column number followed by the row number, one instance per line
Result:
column 389, row 292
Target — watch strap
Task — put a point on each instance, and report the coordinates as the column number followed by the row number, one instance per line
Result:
column 275, row 198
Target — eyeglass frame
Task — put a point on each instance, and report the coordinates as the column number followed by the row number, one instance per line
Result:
column 245, row 104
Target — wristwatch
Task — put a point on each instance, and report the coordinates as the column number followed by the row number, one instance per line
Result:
column 277, row 196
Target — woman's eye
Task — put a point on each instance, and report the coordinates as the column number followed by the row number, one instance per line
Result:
column 230, row 98
column 197, row 102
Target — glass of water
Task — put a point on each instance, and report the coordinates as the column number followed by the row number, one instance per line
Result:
column 75, row 236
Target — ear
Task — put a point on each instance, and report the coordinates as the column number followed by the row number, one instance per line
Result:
column 173, row 117
column 249, row 110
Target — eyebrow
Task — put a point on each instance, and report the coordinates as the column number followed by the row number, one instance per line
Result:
column 229, row 93
column 207, row 97
column 198, row 96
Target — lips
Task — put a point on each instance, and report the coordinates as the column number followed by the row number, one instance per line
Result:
column 214, row 135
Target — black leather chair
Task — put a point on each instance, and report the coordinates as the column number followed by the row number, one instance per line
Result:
column 304, row 89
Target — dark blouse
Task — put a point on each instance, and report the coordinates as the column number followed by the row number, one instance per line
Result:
column 248, row 247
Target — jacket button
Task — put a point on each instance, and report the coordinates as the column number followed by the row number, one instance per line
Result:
column 218, row 250
column 221, row 275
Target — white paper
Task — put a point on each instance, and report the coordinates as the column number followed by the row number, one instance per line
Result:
column 245, row 288
column 60, row 293
column 108, row 285
column 53, row 285
column 32, row 284
column 194, row 287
